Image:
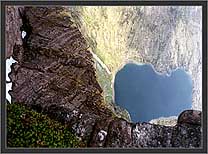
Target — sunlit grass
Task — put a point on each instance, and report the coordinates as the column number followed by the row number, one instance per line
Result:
column 108, row 35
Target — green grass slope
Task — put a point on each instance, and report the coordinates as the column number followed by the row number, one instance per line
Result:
column 27, row 128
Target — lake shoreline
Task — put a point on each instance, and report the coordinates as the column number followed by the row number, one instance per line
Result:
column 134, row 78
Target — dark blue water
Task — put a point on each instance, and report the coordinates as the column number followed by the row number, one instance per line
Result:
column 148, row 95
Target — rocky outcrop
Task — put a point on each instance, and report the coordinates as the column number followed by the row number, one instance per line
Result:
column 13, row 23
column 121, row 133
column 55, row 75
column 190, row 117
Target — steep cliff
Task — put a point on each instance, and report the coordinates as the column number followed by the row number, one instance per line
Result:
column 13, row 23
column 55, row 75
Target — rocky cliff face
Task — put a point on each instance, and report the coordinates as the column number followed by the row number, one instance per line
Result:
column 55, row 75
column 13, row 23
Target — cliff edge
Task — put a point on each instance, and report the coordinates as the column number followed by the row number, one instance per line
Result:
column 55, row 75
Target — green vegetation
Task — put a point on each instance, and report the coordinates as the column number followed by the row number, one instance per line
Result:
column 27, row 128
column 104, row 80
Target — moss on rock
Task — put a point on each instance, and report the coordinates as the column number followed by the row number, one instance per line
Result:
column 27, row 128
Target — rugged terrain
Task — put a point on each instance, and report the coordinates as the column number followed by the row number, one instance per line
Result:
column 55, row 75
column 168, row 37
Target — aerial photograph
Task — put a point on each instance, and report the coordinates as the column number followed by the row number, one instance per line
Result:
column 103, row 76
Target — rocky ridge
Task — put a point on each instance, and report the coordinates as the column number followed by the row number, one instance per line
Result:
column 55, row 75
